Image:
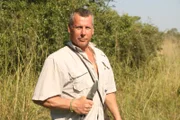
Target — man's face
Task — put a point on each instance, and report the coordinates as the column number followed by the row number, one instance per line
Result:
column 81, row 31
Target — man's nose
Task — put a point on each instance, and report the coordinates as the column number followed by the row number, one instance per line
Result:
column 83, row 31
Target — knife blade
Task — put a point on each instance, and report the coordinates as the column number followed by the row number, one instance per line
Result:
column 92, row 91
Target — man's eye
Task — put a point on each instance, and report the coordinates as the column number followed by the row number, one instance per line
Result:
column 88, row 28
column 78, row 28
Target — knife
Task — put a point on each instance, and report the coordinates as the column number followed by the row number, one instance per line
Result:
column 92, row 91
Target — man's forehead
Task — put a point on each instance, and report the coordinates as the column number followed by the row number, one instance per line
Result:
column 83, row 20
column 79, row 16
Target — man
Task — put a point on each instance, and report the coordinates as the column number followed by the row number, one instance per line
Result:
column 64, row 81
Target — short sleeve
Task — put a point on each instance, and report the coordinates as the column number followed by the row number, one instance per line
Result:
column 50, row 81
column 111, row 86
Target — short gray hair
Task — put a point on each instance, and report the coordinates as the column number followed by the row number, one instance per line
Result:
column 82, row 12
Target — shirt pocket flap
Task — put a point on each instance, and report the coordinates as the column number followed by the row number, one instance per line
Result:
column 79, row 86
column 80, row 81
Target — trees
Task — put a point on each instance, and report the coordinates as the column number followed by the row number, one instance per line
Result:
column 31, row 30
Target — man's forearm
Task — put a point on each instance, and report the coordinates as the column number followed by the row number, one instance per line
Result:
column 113, row 106
column 80, row 105
column 55, row 102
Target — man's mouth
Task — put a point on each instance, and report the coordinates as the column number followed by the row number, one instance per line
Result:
column 82, row 39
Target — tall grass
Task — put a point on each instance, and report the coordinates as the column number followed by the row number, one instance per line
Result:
column 16, row 93
column 151, row 93
column 148, row 93
column 32, row 30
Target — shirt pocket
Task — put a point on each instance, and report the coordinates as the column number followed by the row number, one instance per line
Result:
column 81, row 83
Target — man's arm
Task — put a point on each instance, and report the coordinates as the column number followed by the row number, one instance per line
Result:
column 80, row 105
column 111, row 103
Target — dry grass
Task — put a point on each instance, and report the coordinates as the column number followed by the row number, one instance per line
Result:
column 151, row 93
column 171, row 49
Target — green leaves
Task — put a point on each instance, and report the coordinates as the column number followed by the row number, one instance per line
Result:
column 34, row 29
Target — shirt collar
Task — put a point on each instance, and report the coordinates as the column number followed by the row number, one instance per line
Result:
column 76, row 48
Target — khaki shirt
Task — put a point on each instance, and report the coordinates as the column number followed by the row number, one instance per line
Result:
column 65, row 75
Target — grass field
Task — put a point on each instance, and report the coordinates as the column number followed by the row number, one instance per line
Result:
column 153, row 92
column 149, row 93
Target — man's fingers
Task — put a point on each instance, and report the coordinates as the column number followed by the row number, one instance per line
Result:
column 86, row 110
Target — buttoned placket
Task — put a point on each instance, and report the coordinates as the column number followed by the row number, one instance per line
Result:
column 90, row 65
column 93, row 69
column 84, row 57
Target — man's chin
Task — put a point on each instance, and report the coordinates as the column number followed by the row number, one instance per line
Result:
column 83, row 46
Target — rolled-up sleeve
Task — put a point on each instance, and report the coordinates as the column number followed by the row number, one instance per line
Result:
column 50, row 81
column 111, row 86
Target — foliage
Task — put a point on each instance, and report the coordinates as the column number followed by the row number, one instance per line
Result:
column 151, row 92
column 41, row 27
column 172, row 34
column 32, row 29
column 132, row 42
column 139, row 44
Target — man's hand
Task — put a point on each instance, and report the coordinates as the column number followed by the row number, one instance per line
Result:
column 82, row 105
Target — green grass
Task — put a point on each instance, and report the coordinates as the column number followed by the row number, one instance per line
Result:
column 16, row 93
column 31, row 31
column 148, row 93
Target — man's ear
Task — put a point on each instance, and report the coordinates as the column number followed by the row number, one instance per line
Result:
column 69, row 28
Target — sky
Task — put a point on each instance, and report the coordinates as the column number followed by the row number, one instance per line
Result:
column 164, row 14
